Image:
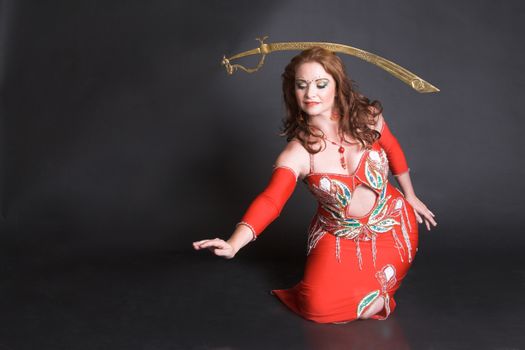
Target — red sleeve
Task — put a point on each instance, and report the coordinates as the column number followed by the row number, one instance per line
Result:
column 267, row 206
column 394, row 153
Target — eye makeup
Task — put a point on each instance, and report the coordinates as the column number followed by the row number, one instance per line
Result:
column 319, row 83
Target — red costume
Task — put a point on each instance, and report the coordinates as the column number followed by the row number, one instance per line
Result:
column 352, row 260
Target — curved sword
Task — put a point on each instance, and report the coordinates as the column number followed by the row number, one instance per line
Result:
column 396, row 70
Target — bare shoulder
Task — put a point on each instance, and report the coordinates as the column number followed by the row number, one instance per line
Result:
column 296, row 157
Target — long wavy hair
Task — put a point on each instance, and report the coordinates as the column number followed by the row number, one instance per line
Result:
column 356, row 112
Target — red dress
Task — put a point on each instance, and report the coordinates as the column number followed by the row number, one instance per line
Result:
column 352, row 261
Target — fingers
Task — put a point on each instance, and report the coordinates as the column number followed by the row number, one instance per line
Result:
column 422, row 212
column 197, row 245
column 217, row 246
column 418, row 218
column 207, row 243
column 429, row 217
column 426, row 216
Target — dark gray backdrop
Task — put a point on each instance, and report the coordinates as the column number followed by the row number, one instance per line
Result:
column 121, row 132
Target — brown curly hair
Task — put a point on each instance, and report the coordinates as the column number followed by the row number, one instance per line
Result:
column 357, row 113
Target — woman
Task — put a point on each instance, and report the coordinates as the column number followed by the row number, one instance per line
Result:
column 364, row 235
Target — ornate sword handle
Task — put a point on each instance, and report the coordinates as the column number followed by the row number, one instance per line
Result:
column 262, row 49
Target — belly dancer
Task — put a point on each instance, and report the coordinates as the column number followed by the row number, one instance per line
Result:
column 363, row 237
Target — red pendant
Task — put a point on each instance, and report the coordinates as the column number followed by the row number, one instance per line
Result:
column 342, row 152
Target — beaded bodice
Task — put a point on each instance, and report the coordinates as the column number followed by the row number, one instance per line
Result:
column 334, row 194
column 334, row 191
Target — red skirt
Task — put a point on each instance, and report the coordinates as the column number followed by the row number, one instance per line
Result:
column 337, row 289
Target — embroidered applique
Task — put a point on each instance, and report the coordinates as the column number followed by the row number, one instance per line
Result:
column 333, row 195
column 376, row 169
column 315, row 234
column 367, row 300
column 325, row 184
column 387, row 279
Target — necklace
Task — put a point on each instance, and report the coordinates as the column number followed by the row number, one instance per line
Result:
column 341, row 151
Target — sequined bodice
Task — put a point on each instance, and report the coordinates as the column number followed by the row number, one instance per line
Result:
column 334, row 194
column 334, row 191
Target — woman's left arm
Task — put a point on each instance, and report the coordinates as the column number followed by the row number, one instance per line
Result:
column 420, row 208
column 400, row 170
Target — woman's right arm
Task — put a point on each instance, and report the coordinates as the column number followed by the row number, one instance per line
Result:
column 292, row 163
column 241, row 236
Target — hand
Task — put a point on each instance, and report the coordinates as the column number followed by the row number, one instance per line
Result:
column 421, row 210
column 217, row 246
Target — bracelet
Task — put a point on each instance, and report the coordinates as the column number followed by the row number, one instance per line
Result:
column 250, row 227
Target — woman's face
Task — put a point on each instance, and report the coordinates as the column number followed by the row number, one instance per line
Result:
column 314, row 89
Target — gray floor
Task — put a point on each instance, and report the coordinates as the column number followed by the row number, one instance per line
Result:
column 191, row 300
